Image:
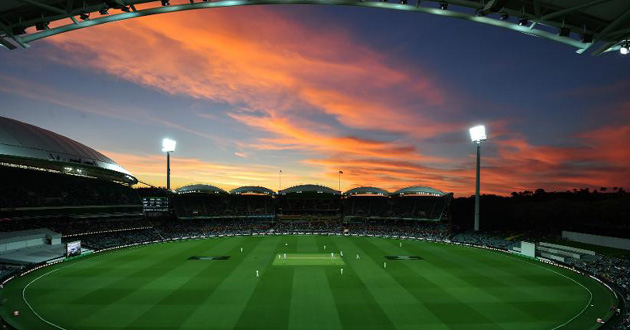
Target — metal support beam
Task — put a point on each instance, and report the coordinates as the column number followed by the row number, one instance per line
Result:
column 45, row 6
column 6, row 44
column 15, row 38
column 371, row 4
column 610, row 28
column 604, row 48
column 51, row 8
column 563, row 12
column 536, row 5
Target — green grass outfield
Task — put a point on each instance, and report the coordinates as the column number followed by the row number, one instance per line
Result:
column 308, row 259
column 158, row 287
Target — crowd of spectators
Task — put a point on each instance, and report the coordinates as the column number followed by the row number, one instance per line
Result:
column 194, row 228
column 319, row 204
column 74, row 227
column 614, row 270
column 118, row 238
column 415, row 207
column 483, row 239
column 434, row 231
column 23, row 188
column 7, row 270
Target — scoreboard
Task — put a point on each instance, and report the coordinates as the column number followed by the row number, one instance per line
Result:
column 73, row 249
column 155, row 204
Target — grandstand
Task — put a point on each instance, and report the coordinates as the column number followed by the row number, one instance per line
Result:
column 46, row 174
column 411, row 203
column 309, row 202
column 54, row 189
column 200, row 201
column 251, row 202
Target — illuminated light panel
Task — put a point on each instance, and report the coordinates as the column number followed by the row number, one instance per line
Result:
column 168, row 145
column 478, row 133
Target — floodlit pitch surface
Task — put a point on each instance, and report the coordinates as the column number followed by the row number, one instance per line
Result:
column 158, row 287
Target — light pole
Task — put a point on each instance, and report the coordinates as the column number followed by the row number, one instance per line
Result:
column 340, row 173
column 279, row 180
column 477, row 135
column 168, row 146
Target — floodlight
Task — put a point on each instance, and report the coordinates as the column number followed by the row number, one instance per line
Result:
column 443, row 5
column 17, row 30
column 41, row 26
column 523, row 21
column 504, row 16
column 478, row 133
column 587, row 38
column 84, row 16
column 625, row 48
column 168, row 145
column 103, row 11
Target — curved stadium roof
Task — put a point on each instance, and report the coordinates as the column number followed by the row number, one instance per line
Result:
column 252, row 190
column 309, row 188
column 21, row 142
column 602, row 25
column 200, row 188
column 367, row 191
column 419, row 190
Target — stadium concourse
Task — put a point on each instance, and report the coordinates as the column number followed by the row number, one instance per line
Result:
column 58, row 191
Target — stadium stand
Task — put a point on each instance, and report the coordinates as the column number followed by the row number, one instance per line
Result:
column 308, row 201
column 199, row 200
column 411, row 203
column 251, row 201
column 46, row 174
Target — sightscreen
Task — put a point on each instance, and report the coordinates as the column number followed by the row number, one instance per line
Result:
column 528, row 249
column 73, row 249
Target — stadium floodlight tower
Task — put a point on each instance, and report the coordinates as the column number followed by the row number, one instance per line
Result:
column 477, row 135
column 168, row 146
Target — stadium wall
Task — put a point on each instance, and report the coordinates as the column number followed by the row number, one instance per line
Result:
column 608, row 241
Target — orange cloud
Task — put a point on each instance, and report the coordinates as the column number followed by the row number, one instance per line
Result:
column 262, row 61
column 320, row 93
column 151, row 168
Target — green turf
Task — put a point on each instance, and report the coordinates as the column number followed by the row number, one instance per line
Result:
column 308, row 259
column 158, row 287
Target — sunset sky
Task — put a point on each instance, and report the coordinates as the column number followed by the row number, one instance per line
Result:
column 385, row 96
